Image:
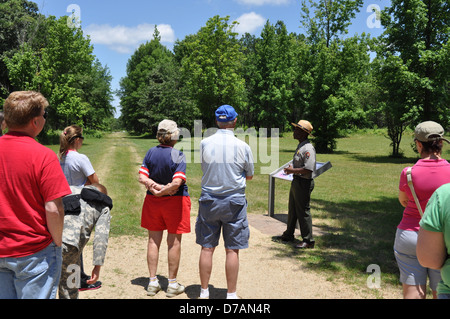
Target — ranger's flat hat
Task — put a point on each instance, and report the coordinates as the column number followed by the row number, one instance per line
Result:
column 305, row 126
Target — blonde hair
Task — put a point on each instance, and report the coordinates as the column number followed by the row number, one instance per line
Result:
column 22, row 106
column 67, row 139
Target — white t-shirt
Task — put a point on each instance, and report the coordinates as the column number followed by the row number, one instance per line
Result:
column 76, row 168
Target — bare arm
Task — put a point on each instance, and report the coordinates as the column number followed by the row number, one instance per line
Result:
column 92, row 179
column 291, row 170
column 430, row 249
column 403, row 198
column 54, row 211
column 168, row 189
column 146, row 181
column 95, row 275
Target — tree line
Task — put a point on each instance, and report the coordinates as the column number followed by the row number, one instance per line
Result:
column 337, row 81
column 51, row 56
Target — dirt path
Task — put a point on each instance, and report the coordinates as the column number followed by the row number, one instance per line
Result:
column 264, row 273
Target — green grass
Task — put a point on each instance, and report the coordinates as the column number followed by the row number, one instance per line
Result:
column 354, row 205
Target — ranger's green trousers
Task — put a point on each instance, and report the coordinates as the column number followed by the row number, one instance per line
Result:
column 299, row 209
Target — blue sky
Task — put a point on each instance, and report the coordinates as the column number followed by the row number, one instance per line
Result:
column 117, row 28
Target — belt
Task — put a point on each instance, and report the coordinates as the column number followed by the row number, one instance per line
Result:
column 301, row 177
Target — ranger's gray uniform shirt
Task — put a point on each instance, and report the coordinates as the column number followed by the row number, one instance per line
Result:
column 78, row 228
column 305, row 157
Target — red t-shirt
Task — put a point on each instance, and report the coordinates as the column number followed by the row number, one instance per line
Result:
column 30, row 176
column 427, row 176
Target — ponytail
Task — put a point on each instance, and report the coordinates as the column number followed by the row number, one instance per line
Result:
column 67, row 139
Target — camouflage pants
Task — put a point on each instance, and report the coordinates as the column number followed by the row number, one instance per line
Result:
column 70, row 272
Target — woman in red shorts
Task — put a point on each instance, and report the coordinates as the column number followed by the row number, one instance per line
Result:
column 167, row 205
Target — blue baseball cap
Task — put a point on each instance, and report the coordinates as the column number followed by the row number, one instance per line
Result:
column 225, row 113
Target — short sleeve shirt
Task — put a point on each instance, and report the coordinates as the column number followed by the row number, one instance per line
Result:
column 226, row 162
column 305, row 157
column 162, row 164
column 30, row 176
column 76, row 167
column 427, row 176
column 436, row 218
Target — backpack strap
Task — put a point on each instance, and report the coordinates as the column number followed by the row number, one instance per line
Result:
column 93, row 195
column 411, row 187
column 72, row 204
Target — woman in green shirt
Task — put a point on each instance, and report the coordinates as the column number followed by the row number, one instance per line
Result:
column 433, row 243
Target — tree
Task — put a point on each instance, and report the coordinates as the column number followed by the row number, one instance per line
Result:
column 273, row 77
column 22, row 68
column 96, row 87
column 166, row 97
column 248, row 118
column 412, row 60
column 62, row 67
column 66, row 55
column 18, row 23
column 212, row 66
column 400, row 109
column 134, row 86
column 331, row 18
column 418, row 32
column 301, row 65
column 331, row 78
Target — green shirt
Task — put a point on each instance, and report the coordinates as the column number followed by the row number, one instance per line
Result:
column 437, row 219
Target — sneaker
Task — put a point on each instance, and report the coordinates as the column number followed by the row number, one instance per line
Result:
column 85, row 286
column 172, row 292
column 153, row 290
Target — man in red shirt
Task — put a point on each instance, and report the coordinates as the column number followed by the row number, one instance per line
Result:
column 32, row 185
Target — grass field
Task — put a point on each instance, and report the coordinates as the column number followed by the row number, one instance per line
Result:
column 354, row 204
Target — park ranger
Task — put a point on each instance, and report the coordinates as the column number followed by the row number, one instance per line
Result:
column 85, row 209
column 302, row 168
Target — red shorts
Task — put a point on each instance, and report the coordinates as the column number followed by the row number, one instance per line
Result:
column 169, row 212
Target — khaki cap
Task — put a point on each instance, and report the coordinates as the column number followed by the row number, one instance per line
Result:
column 429, row 131
column 168, row 126
column 305, row 126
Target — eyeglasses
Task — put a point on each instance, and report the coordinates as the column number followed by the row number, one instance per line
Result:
column 45, row 114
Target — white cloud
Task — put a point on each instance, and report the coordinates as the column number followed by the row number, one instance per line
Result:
column 249, row 22
column 263, row 2
column 124, row 39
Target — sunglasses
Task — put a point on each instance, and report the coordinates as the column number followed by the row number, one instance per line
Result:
column 75, row 137
column 45, row 115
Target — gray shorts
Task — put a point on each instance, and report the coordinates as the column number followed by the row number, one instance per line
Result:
column 411, row 271
column 226, row 213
